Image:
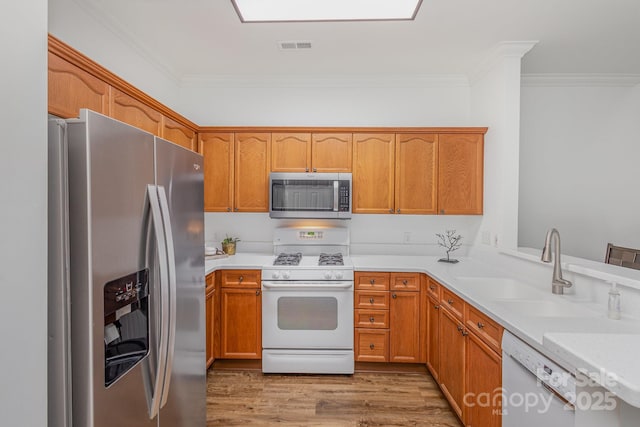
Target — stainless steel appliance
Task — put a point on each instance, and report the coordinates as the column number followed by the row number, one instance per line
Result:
column 536, row 390
column 307, row 303
column 310, row 195
column 126, row 277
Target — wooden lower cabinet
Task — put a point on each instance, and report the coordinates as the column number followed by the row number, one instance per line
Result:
column 482, row 400
column 452, row 359
column 433, row 337
column 210, row 319
column 240, row 314
column 372, row 345
column 404, row 327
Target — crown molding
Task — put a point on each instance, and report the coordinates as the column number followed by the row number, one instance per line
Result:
column 324, row 81
column 579, row 80
column 506, row 49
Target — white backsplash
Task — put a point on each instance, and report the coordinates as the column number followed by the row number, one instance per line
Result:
column 370, row 234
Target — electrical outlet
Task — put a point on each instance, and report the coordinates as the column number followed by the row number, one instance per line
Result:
column 406, row 238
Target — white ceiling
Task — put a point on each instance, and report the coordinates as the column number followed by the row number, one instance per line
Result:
column 206, row 37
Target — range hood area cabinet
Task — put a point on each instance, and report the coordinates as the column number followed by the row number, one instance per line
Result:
column 418, row 173
column 311, row 152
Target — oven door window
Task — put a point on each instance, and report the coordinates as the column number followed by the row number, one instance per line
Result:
column 308, row 313
column 301, row 195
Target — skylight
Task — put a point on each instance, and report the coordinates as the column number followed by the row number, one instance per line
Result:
column 325, row 10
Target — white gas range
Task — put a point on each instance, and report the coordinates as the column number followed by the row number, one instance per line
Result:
column 307, row 303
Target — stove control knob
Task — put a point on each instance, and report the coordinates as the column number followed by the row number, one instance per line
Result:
column 339, row 275
column 286, row 274
column 327, row 275
column 275, row 275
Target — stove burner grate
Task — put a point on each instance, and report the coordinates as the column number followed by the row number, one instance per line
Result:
column 288, row 259
column 330, row 259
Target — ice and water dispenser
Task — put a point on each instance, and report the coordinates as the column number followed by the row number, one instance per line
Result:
column 126, row 324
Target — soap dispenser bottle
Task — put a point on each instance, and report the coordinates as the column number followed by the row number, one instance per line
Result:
column 614, row 302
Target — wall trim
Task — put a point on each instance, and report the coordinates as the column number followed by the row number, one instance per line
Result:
column 580, row 80
column 506, row 49
column 316, row 129
column 325, row 81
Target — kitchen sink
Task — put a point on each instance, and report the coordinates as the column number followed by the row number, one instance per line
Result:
column 498, row 288
column 544, row 308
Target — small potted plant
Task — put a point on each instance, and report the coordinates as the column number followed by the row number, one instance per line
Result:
column 450, row 241
column 229, row 245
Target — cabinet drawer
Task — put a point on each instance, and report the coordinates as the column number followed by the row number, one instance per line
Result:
column 378, row 319
column 485, row 328
column 453, row 303
column 240, row 278
column 372, row 299
column 209, row 281
column 372, row 281
column 372, row 345
column 433, row 288
column 405, row 281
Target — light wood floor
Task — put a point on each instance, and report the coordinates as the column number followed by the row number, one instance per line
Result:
column 249, row 398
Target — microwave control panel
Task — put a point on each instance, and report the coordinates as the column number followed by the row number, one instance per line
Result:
column 344, row 197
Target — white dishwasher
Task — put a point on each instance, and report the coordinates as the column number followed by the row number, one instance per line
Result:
column 537, row 391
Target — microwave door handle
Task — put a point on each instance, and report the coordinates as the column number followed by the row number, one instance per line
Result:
column 336, row 185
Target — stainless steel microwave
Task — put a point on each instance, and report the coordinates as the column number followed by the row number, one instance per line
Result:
column 310, row 195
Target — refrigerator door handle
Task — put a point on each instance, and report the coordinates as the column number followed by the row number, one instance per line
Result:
column 171, row 264
column 154, row 396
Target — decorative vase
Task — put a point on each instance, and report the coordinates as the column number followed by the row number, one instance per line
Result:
column 229, row 248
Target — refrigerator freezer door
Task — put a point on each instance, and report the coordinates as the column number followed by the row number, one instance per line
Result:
column 110, row 166
column 179, row 172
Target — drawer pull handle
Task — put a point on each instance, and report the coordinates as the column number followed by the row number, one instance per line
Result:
column 480, row 325
column 390, row 210
column 433, row 288
column 372, row 281
column 240, row 279
column 404, row 282
column 394, row 296
column 450, row 301
column 371, row 300
column 465, row 333
column 372, row 319
column 371, row 346
column 257, row 293
column 459, row 328
column 437, row 307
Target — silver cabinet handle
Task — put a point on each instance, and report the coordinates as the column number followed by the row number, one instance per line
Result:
column 240, row 279
column 372, row 319
column 450, row 301
column 465, row 333
column 306, row 169
column 390, row 210
column 236, row 209
column 315, row 170
column 394, row 296
column 398, row 211
column 459, row 328
column 372, row 281
column 228, row 209
column 404, row 282
column 371, row 346
column 480, row 325
column 371, row 300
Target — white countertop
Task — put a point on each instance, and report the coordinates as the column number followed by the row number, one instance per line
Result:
column 577, row 335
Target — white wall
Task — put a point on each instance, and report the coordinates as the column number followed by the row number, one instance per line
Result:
column 580, row 157
column 23, row 216
column 327, row 101
column 77, row 23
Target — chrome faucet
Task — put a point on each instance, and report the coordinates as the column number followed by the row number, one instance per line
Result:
column 558, row 283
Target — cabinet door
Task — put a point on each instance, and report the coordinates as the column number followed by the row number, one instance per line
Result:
column 178, row 134
column 416, row 173
column 210, row 310
column 129, row 110
column 290, row 152
column 371, row 345
column 373, row 173
column 433, row 337
column 71, row 89
column 483, row 378
column 241, row 330
column 331, row 152
column 404, row 327
column 460, row 173
column 252, row 163
column 452, row 360
column 217, row 150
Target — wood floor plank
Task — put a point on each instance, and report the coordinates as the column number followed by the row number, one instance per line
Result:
column 250, row 398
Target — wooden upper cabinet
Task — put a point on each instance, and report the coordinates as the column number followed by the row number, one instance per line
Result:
column 416, row 173
column 252, row 164
column 129, row 110
column 460, row 173
column 291, row 152
column 71, row 89
column 178, row 134
column 331, row 152
column 218, row 152
column 373, row 173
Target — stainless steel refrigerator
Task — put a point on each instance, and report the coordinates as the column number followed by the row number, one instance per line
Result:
column 126, row 278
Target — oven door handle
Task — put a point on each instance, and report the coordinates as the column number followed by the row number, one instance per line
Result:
column 307, row 286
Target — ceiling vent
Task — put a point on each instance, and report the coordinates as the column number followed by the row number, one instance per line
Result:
column 294, row 45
